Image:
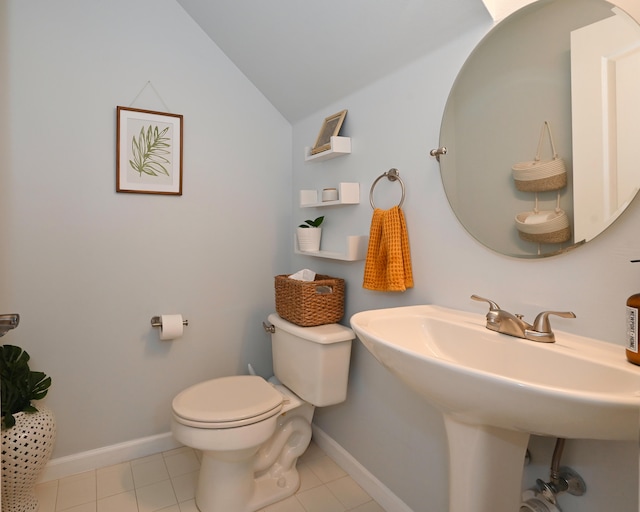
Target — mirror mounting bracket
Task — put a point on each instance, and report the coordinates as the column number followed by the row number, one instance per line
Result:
column 438, row 152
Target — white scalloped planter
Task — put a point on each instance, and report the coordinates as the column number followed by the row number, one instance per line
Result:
column 309, row 239
column 26, row 449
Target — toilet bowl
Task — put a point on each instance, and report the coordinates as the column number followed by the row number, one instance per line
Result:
column 251, row 431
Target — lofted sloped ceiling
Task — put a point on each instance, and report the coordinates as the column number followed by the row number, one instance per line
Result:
column 304, row 55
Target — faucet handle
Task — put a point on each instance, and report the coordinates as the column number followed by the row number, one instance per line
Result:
column 542, row 327
column 492, row 305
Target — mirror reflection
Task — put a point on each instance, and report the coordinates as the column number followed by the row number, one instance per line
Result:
column 552, row 86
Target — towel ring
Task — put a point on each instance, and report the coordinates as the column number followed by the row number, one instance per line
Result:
column 391, row 175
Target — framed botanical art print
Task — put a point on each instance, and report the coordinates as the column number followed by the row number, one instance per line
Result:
column 148, row 152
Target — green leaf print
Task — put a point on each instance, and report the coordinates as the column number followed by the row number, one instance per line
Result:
column 148, row 149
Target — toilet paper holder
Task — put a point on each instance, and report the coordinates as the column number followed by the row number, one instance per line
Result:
column 156, row 321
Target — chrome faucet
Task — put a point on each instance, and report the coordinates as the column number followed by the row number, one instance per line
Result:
column 507, row 323
column 8, row 322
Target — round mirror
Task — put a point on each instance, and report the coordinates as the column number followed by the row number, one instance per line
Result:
column 541, row 125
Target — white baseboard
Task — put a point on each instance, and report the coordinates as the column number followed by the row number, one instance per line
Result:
column 107, row 456
column 374, row 487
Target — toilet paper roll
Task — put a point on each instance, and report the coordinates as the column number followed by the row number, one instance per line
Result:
column 171, row 327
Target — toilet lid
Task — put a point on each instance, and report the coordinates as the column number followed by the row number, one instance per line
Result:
column 228, row 400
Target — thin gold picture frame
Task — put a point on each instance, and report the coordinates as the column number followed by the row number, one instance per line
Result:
column 330, row 128
column 148, row 152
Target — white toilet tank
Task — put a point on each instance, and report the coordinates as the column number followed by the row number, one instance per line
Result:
column 313, row 362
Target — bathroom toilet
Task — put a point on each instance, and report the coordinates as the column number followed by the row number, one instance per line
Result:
column 251, row 431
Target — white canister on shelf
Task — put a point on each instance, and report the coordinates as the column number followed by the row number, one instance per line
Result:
column 329, row 194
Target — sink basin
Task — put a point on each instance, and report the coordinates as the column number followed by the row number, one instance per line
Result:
column 575, row 388
column 495, row 390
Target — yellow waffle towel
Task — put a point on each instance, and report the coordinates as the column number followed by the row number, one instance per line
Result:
column 388, row 264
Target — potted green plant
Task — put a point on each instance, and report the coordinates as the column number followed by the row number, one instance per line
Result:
column 28, row 433
column 19, row 385
column 309, row 235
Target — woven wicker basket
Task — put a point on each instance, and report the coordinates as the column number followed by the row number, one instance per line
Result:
column 556, row 179
column 554, row 230
column 557, row 237
column 310, row 303
column 541, row 175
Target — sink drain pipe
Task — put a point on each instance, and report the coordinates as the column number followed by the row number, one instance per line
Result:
column 543, row 497
column 555, row 460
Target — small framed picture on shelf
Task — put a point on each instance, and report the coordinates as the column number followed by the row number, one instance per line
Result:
column 330, row 128
column 148, row 152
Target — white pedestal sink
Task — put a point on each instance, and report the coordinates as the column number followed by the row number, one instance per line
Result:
column 495, row 390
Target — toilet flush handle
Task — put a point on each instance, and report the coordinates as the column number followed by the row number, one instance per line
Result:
column 270, row 328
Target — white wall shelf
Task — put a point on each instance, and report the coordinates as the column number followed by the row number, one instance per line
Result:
column 339, row 146
column 356, row 250
column 348, row 193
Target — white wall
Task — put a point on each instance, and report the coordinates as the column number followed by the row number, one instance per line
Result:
column 5, row 145
column 400, row 439
column 87, row 267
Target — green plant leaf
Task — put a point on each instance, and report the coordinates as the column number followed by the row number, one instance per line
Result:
column 312, row 223
column 8, row 420
column 18, row 384
column 148, row 149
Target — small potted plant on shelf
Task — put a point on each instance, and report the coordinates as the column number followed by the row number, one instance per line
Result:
column 309, row 235
column 28, row 434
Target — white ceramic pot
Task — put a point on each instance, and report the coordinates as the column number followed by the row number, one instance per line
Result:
column 26, row 449
column 309, row 239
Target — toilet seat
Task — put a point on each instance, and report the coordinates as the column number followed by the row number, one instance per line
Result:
column 227, row 402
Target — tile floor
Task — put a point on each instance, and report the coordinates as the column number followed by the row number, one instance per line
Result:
column 165, row 482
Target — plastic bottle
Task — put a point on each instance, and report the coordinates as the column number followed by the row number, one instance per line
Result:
column 633, row 312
